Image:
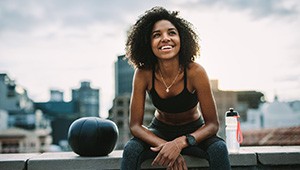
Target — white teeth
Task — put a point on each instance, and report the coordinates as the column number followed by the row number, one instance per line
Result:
column 166, row 47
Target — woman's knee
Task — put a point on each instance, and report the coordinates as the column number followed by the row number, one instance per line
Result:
column 133, row 148
column 218, row 156
column 218, row 148
column 132, row 154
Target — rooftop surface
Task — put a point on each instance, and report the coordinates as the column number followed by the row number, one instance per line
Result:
column 270, row 137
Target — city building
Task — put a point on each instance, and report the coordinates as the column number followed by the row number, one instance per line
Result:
column 269, row 115
column 123, row 76
column 15, row 101
column 84, row 103
column 3, row 119
column 61, row 114
column 276, row 123
column 17, row 140
column 295, row 105
column 86, row 100
column 241, row 101
column 23, row 128
column 56, row 95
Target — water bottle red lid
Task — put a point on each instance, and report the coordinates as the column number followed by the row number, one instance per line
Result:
column 232, row 112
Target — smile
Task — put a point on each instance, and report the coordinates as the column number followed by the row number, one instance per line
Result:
column 166, row 47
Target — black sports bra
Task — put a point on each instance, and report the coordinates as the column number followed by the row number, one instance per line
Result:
column 182, row 102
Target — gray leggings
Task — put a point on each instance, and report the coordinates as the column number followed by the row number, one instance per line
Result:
column 212, row 149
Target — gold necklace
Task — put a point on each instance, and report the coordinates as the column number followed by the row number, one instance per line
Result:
column 163, row 80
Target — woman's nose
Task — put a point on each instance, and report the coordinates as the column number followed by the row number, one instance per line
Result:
column 165, row 38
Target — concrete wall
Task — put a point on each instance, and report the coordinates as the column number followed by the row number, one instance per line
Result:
column 275, row 157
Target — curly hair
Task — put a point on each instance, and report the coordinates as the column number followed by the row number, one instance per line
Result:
column 138, row 45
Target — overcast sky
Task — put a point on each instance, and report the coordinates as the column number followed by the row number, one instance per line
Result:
column 56, row 44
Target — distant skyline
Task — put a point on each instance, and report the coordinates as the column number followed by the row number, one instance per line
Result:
column 54, row 44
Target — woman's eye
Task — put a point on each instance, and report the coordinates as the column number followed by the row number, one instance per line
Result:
column 172, row 33
column 155, row 35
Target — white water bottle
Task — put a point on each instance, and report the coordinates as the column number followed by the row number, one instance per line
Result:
column 233, row 131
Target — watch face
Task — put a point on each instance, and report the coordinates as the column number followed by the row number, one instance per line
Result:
column 191, row 140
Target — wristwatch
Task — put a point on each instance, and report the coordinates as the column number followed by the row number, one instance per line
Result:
column 191, row 140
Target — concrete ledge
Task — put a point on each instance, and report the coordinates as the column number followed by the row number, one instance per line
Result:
column 71, row 161
column 15, row 161
column 245, row 157
column 276, row 157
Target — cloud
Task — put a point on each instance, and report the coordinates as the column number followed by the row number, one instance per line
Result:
column 266, row 7
column 257, row 8
column 26, row 15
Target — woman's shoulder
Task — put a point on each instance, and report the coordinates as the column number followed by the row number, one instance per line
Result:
column 142, row 74
column 197, row 75
column 195, row 69
column 142, row 78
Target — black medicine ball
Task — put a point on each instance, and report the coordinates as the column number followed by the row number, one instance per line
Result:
column 92, row 136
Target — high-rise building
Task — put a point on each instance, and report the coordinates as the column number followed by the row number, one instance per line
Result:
column 123, row 76
column 86, row 99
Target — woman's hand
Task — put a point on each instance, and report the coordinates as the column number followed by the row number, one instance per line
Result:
column 179, row 164
column 168, row 154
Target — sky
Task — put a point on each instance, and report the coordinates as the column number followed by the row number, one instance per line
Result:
column 56, row 44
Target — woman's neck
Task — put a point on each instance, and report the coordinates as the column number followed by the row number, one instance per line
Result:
column 168, row 67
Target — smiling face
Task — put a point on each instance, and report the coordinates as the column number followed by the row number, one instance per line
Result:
column 165, row 40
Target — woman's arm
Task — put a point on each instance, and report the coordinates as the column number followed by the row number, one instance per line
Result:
column 201, row 84
column 207, row 103
column 167, row 152
column 137, row 104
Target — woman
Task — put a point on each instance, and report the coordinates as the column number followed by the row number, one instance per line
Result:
column 163, row 47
